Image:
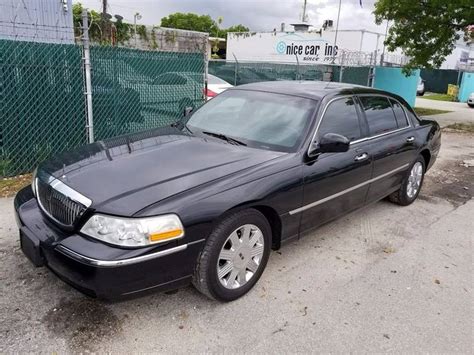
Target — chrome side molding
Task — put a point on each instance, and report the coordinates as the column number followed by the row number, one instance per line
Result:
column 326, row 199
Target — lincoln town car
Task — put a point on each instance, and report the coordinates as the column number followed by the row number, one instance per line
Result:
column 205, row 200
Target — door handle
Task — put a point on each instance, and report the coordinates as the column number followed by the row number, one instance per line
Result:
column 361, row 157
column 410, row 139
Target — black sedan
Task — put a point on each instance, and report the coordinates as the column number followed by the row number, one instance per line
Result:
column 205, row 200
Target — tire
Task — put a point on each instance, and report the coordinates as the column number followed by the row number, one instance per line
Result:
column 421, row 93
column 230, row 286
column 404, row 196
column 470, row 105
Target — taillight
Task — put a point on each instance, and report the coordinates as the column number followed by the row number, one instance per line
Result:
column 209, row 93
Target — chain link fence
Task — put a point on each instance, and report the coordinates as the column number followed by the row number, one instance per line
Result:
column 136, row 90
column 43, row 104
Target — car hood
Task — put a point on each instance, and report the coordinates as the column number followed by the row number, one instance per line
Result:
column 126, row 174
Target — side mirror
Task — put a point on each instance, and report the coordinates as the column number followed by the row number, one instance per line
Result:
column 330, row 143
column 187, row 111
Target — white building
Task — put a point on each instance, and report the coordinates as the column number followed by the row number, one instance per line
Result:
column 352, row 47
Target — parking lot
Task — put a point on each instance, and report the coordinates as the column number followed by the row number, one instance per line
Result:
column 385, row 278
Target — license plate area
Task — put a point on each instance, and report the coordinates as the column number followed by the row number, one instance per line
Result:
column 30, row 245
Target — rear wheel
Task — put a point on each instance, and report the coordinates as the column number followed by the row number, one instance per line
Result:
column 234, row 256
column 411, row 184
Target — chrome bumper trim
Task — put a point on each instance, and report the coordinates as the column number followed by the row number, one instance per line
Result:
column 115, row 263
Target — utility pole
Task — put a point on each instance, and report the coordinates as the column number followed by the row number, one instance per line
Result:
column 136, row 17
column 303, row 17
column 382, row 57
column 104, row 20
column 335, row 36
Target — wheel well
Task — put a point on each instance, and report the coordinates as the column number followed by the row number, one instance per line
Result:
column 275, row 223
column 269, row 213
column 427, row 156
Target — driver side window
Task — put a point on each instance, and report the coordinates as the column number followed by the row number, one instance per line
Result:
column 341, row 118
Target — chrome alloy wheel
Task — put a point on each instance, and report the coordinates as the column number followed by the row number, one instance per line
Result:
column 414, row 180
column 240, row 256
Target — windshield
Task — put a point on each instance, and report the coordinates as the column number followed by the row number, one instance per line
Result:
column 214, row 80
column 259, row 119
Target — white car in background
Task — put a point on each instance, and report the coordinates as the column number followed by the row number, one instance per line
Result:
column 470, row 100
column 420, row 88
column 215, row 86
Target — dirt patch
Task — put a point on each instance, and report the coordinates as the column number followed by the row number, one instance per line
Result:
column 84, row 323
column 10, row 186
column 424, row 111
column 453, row 181
column 460, row 127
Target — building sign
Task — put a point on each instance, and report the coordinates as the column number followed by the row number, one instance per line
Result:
column 281, row 47
column 318, row 51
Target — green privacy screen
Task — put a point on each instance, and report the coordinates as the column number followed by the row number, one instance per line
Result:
column 251, row 72
column 41, row 103
column 133, row 90
column 437, row 80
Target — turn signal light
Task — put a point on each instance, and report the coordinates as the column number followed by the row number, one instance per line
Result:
column 156, row 237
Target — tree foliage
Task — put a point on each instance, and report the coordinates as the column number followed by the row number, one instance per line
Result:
column 236, row 28
column 122, row 30
column 201, row 23
column 426, row 30
column 190, row 21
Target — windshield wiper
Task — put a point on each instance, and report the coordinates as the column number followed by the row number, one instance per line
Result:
column 224, row 137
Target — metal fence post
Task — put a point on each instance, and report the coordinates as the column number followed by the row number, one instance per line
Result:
column 206, row 65
column 297, row 68
column 341, row 67
column 87, row 71
column 236, row 68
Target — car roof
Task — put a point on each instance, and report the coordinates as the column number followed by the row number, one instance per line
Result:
column 309, row 89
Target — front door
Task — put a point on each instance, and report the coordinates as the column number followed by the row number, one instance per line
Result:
column 336, row 183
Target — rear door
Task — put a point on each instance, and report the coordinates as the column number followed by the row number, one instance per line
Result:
column 391, row 143
column 335, row 183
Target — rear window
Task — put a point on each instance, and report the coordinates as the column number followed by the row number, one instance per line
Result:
column 399, row 114
column 379, row 114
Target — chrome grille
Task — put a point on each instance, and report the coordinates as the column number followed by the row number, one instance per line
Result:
column 57, row 205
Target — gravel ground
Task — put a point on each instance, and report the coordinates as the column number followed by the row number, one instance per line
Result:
column 385, row 278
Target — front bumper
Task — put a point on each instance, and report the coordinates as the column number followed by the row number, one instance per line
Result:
column 97, row 269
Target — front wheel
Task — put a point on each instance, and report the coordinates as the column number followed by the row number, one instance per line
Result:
column 411, row 184
column 234, row 256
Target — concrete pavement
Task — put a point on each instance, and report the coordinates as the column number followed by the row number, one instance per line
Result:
column 461, row 112
column 383, row 279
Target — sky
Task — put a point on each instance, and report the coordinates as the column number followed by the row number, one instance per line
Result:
column 258, row 15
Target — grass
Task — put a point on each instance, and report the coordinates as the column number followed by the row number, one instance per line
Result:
column 10, row 186
column 425, row 111
column 439, row 97
column 465, row 127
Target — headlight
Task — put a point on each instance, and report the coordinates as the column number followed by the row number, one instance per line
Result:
column 33, row 181
column 134, row 232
